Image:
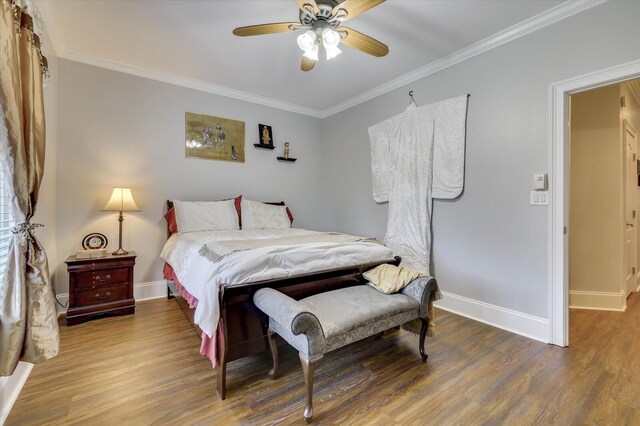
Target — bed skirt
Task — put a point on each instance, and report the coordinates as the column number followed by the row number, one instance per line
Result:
column 208, row 346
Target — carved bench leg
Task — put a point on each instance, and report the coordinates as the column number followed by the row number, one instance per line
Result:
column 309, row 368
column 423, row 335
column 274, row 353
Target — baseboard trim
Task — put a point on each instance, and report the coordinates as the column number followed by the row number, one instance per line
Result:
column 141, row 291
column 506, row 319
column 598, row 300
column 10, row 388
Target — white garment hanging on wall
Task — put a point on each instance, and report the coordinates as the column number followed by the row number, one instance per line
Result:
column 416, row 156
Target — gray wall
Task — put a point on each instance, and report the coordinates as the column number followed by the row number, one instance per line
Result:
column 489, row 244
column 115, row 129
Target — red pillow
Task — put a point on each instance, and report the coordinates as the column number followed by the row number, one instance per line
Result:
column 238, row 200
column 290, row 215
column 170, row 215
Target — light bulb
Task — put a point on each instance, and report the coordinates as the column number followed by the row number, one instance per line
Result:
column 306, row 40
column 332, row 52
column 312, row 53
column 330, row 37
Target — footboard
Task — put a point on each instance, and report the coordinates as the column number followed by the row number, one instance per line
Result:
column 244, row 326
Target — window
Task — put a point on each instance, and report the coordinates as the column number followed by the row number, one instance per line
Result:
column 6, row 223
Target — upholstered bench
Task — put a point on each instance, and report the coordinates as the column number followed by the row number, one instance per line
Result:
column 327, row 321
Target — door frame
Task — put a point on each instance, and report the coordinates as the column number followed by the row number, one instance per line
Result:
column 626, row 126
column 559, row 188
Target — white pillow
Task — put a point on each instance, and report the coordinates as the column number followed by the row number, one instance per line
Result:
column 257, row 215
column 206, row 215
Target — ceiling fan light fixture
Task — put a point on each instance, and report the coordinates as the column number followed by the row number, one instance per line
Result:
column 312, row 53
column 330, row 38
column 307, row 40
column 332, row 52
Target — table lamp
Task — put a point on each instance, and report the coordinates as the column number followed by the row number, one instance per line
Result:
column 121, row 201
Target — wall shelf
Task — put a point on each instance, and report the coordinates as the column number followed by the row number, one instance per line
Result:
column 289, row 160
column 263, row 146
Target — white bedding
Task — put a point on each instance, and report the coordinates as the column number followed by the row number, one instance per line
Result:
column 201, row 277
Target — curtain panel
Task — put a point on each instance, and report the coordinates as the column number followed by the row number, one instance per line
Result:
column 28, row 320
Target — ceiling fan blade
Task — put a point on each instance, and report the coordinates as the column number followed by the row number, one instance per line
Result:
column 253, row 30
column 307, row 64
column 305, row 5
column 363, row 42
column 349, row 9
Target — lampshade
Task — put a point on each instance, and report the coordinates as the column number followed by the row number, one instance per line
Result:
column 306, row 40
column 121, row 200
column 312, row 53
column 332, row 52
column 330, row 38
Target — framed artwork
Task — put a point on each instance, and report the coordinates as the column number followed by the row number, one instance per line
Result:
column 213, row 138
column 266, row 135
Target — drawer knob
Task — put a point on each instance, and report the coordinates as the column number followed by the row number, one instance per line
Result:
column 107, row 294
column 106, row 278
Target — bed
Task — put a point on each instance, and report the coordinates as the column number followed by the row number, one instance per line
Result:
column 216, row 292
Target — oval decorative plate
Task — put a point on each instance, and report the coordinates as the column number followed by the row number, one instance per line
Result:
column 94, row 241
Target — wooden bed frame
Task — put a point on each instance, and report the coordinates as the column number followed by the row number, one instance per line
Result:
column 244, row 326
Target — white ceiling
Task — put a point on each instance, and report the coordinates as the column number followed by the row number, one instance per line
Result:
column 193, row 40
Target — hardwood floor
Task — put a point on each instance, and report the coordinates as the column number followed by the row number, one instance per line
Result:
column 146, row 369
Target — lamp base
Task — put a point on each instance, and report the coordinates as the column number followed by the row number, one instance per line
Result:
column 120, row 252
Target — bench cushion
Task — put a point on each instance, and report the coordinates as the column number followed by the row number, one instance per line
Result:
column 354, row 313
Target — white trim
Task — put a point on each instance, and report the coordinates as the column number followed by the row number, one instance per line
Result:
column 598, row 300
column 507, row 319
column 559, row 191
column 141, row 291
column 150, row 290
column 548, row 17
column 191, row 83
column 10, row 388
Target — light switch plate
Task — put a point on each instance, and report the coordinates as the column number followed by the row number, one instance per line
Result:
column 539, row 198
column 540, row 181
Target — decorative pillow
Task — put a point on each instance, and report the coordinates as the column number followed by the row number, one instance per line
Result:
column 236, row 202
column 256, row 215
column 389, row 279
column 170, row 217
column 290, row 215
column 206, row 215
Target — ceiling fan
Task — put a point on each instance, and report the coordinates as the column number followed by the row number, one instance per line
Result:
column 320, row 21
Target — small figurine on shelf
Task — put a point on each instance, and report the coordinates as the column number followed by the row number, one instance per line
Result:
column 266, row 140
column 286, row 150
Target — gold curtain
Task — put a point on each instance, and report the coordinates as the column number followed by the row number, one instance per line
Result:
column 28, row 320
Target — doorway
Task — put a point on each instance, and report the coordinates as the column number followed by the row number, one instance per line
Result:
column 603, row 197
column 559, row 189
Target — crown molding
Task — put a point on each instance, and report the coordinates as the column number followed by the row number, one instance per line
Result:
column 548, row 17
column 555, row 14
column 191, row 83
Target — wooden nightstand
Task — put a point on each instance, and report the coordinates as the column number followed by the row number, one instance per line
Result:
column 99, row 287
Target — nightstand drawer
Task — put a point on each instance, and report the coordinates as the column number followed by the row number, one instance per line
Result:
column 102, row 277
column 102, row 294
